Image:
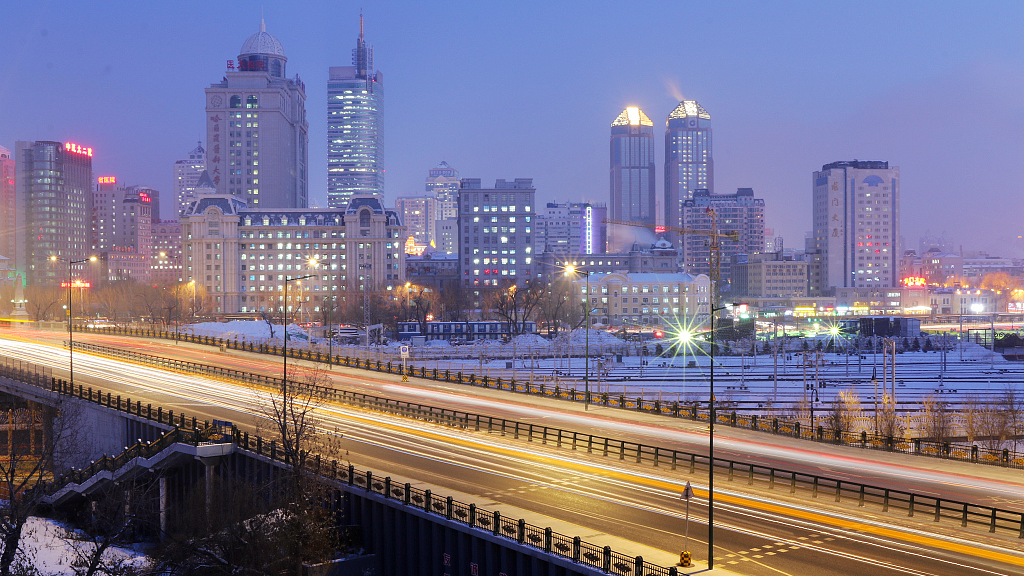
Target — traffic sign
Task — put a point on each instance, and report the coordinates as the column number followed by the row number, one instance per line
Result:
column 687, row 492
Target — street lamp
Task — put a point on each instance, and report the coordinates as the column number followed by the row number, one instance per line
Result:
column 286, row 281
column 711, row 445
column 572, row 270
column 71, row 317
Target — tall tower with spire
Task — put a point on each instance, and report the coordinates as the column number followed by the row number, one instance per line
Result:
column 257, row 138
column 355, row 100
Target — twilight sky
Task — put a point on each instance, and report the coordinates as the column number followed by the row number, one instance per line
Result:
column 529, row 89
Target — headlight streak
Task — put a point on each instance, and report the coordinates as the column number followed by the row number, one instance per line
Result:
column 203, row 389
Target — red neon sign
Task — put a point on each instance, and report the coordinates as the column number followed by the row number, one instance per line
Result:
column 77, row 149
column 76, row 284
column 143, row 197
column 107, row 179
column 911, row 281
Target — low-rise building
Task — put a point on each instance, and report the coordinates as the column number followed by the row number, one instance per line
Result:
column 646, row 299
column 771, row 275
column 661, row 258
column 243, row 256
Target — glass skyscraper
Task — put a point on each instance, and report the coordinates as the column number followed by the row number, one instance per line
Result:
column 355, row 97
column 55, row 186
column 632, row 176
column 689, row 164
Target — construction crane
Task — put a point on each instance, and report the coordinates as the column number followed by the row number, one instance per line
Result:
column 713, row 242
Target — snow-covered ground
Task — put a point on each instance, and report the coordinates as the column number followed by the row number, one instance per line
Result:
column 52, row 549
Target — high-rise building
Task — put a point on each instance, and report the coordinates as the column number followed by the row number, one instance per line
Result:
column 443, row 184
column 632, row 173
column 739, row 212
column 496, row 223
column 8, row 226
column 569, row 229
column 256, row 130
column 689, row 164
column 54, row 189
column 165, row 257
column 419, row 214
column 355, row 98
column 186, row 176
column 857, row 225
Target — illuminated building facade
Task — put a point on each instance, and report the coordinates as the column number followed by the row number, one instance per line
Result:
column 739, row 212
column 443, row 184
column 646, row 299
column 186, row 176
column 243, row 255
column 570, row 229
column 8, row 226
column 54, row 198
column 497, row 232
column 632, row 175
column 256, row 131
column 355, row 98
column 165, row 257
column 689, row 164
column 856, row 220
column 419, row 214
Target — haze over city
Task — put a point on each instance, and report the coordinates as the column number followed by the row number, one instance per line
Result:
column 529, row 91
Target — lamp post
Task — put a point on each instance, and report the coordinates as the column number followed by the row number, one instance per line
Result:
column 286, row 281
column 573, row 270
column 711, row 446
column 71, row 317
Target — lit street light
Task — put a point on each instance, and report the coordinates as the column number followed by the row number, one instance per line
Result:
column 286, row 281
column 572, row 270
column 71, row 317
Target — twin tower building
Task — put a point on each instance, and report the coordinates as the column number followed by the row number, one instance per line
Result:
column 258, row 136
column 689, row 166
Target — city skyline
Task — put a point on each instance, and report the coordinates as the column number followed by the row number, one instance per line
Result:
column 892, row 89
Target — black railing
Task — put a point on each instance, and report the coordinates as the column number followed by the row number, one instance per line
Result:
column 814, row 486
column 693, row 411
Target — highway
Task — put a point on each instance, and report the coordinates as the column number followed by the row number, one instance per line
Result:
column 983, row 485
column 758, row 536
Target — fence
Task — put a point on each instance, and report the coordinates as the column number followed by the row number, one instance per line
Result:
column 887, row 500
column 188, row 431
column 676, row 409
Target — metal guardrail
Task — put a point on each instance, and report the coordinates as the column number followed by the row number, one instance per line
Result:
column 675, row 409
column 885, row 500
column 570, row 547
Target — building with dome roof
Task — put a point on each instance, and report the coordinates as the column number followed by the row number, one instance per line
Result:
column 355, row 99
column 256, row 130
column 632, row 175
column 689, row 163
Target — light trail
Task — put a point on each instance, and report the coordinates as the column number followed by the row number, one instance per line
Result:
column 434, row 440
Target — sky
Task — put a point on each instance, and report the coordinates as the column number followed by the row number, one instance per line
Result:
column 528, row 89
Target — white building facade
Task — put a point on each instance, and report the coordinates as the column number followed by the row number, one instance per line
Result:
column 256, row 131
column 857, row 224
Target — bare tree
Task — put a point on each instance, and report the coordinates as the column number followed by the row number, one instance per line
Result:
column 973, row 413
column 6, row 297
column 889, row 423
column 117, row 517
column 516, row 304
column 938, row 419
column 453, row 302
column 843, row 413
column 51, row 445
column 43, row 301
column 558, row 306
column 1011, row 403
column 292, row 417
column 422, row 304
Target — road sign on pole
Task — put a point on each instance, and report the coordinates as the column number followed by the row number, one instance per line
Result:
column 684, row 558
column 404, row 351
